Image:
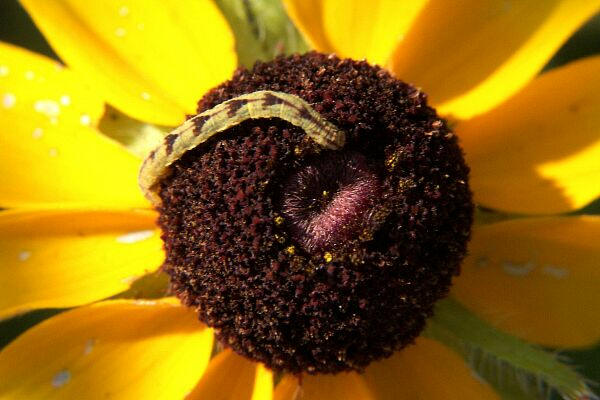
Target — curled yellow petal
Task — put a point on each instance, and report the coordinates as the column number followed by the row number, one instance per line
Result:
column 426, row 370
column 538, row 152
column 471, row 55
column 232, row 377
column 536, row 278
column 151, row 59
column 115, row 349
column 60, row 258
column 343, row 386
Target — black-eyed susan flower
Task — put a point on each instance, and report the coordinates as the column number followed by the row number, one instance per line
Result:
column 304, row 260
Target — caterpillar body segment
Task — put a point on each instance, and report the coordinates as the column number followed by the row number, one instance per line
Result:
column 200, row 128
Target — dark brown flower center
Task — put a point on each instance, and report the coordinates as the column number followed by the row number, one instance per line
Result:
column 313, row 260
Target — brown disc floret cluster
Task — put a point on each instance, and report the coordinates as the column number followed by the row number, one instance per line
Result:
column 315, row 260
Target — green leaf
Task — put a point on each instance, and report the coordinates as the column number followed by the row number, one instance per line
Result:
column 138, row 137
column 515, row 368
column 262, row 30
column 154, row 285
column 485, row 216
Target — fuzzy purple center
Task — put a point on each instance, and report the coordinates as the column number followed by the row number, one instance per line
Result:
column 329, row 201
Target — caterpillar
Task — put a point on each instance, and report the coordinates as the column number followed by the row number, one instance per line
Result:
column 198, row 129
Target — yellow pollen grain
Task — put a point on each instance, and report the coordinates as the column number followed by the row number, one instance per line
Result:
column 391, row 162
column 297, row 151
column 278, row 220
column 404, row 183
column 327, row 256
column 290, row 250
column 325, row 193
column 366, row 235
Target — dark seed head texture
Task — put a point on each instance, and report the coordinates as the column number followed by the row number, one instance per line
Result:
column 315, row 260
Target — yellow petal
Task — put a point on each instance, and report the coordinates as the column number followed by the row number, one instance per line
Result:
column 43, row 165
column 536, row 278
column 231, row 377
column 471, row 55
column 354, row 28
column 151, row 59
column 67, row 258
column 538, row 152
column 307, row 15
column 426, row 371
column 44, row 90
column 116, row 349
column 49, row 152
column 343, row 386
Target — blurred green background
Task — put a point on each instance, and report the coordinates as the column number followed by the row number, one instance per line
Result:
column 16, row 27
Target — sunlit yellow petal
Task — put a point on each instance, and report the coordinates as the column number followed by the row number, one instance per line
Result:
column 116, row 350
column 354, row 28
column 471, row 55
column 42, row 165
column 426, row 371
column 66, row 258
column 536, row 278
column 343, row 386
column 152, row 59
column 44, row 90
column 307, row 15
column 49, row 151
column 539, row 152
column 231, row 377
column 263, row 384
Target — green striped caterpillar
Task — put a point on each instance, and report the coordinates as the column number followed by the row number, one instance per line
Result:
column 198, row 129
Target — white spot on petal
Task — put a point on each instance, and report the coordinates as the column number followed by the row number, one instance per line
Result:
column 37, row 133
column 555, row 272
column 89, row 346
column 53, row 152
column 8, row 100
column 24, row 255
column 4, row 70
column 124, row 11
column 145, row 95
column 61, row 378
column 129, row 280
column 134, row 237
column 120, row 31
column 516, row 269
column 49, row 108
column 65, row 100
column 143, row 302
column 29, row 75
column 85, row 119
